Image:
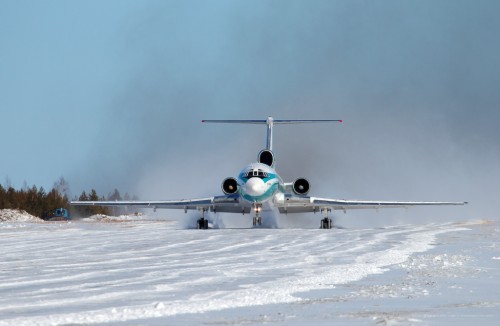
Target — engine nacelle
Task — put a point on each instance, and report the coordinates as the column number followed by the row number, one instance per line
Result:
column 229, row 186
column 266, row 157
column 301, row 186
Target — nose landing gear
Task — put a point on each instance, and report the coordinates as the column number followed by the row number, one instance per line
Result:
column 257, row 220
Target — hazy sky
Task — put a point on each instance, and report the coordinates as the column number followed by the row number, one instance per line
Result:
column 110, row 94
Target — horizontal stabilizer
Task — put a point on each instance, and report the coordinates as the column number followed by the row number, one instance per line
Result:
column 270, row 122
column 274, row 121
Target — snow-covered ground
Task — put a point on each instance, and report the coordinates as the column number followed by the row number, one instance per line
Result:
column 156, row 272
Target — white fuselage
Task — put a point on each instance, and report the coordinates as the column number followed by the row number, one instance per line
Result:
column 259, row 183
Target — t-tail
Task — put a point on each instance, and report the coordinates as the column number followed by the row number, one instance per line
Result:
column 266, row 156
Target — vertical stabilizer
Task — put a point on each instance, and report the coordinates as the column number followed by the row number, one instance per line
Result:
column 269, row 139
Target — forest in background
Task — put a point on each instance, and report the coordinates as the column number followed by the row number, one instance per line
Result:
column 36, row 201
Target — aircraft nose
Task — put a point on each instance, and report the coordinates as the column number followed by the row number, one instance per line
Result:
column 255, row 187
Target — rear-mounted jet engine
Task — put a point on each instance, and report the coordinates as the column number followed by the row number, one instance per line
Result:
column 229, row 186
column 301, row 186
column 266, row 157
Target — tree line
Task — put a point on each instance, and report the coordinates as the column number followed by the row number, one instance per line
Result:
column 36, row 201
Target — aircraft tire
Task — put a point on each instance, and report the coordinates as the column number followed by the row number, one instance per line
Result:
column 326, row 223
column 202, row 224
column 257, row 221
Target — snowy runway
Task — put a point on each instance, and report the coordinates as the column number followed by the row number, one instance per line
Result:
column 149, row 272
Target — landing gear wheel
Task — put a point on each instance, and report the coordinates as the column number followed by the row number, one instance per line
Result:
column 202, row 224
column 257, row 220
column 326, row 223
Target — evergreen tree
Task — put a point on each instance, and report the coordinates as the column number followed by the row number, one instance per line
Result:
column 115, row 195
column 38, row 202
column 97, row 209
column 83, row 197
column 41, row 202
column 56, row 200
column 11, row 198
column 82, row 211
column 86, row 211
column 93, row 195
column 3, row 195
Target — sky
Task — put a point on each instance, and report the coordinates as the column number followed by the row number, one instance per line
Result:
column 110, row 94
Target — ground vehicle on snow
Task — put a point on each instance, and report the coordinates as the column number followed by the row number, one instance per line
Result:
column 58, row 214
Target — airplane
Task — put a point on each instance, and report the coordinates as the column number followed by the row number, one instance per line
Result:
column 258, row 187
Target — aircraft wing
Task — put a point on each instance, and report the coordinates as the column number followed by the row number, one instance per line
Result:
column 290, row 204
column 303, row 204
column 224, row 204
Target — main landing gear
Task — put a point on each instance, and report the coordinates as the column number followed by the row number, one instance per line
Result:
column 202, row 223
column 326, row 222
column 257, row 220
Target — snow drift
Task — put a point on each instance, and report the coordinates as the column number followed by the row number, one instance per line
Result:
column 15, row 215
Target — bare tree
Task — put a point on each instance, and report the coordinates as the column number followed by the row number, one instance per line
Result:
column 62, row 186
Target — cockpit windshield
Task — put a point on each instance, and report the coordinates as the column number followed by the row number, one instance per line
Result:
column 255, row 173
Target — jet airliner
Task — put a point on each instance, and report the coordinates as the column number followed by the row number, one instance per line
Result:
column 258, row 187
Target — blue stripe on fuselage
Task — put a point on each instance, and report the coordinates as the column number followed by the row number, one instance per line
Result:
column 267, row 195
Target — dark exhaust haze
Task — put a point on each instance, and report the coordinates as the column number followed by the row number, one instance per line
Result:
column 416, row 84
